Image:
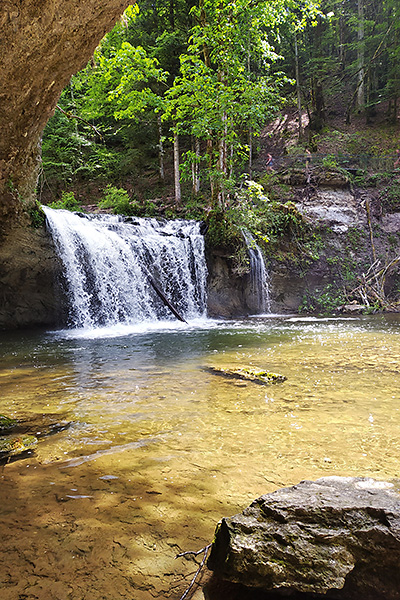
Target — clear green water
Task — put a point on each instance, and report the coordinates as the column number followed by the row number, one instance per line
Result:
column 160, row 449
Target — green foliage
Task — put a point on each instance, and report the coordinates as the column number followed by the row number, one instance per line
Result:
column 7, row 422
column 268, row 220
column 37, row 216
column 324, row 301
column 278, row 228
column 390, row 195
column 355, row 238
column 217, row 98
column 194, row 208
column 329, row 162
column 118, row 200
column 67, row 202
column 222, row 232
column 346, row 266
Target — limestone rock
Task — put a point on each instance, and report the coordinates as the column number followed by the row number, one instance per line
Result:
column 334, row 208
column 226, row 295
column 28, row 272
column 337, row 536
column 43, row 44
column 331, row 178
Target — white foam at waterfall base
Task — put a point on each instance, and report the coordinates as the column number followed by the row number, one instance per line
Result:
column 107, row 261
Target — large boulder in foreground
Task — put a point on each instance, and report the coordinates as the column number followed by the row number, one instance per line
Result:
column 337, row 536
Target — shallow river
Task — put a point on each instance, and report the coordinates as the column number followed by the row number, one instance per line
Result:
column 159, row 449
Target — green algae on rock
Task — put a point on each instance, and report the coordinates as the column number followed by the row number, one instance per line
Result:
column 6, row 422
column 12, row 446
column 249, row 374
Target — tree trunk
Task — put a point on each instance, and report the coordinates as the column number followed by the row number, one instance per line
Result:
column 195, row 166
column 250, row 152
column 342, row 52
column 172, row 14
column 222, row 163
column 360, row 55
column 213, row 187
column 296, row 56
column 160, row 147
column 177, row 177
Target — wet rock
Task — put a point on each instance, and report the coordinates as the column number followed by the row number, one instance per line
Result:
column 337, row 537
column 248, row 374
column 225, row 291
column 13, row 446
column 330, row 178
column 294, row 176
column 19, row 437
column 6, row 423
column 29, row 269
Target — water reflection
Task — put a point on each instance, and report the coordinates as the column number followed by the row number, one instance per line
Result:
column 160, row 449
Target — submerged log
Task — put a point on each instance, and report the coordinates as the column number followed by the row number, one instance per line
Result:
column 248, row 374
column 165, row 299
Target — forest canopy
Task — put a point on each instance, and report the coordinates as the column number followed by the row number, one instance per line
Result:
column 176, row 95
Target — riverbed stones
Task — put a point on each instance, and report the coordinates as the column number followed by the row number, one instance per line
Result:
column 338, row 537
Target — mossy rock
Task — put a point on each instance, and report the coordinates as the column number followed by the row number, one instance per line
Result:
column 12, row 446
column 249, row 374
column 7, row 423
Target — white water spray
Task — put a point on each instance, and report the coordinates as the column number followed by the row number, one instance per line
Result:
column 108, row 259
column 259, row 291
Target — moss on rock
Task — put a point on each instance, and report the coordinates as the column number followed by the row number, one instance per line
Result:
column 249, row 374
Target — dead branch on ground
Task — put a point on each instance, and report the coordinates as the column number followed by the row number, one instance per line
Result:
column 371, row 288
column 203, row 562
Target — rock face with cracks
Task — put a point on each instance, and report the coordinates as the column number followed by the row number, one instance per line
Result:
column 337, row 536
column 43, row 43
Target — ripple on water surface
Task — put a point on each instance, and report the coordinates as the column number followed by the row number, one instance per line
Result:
column 160, row 448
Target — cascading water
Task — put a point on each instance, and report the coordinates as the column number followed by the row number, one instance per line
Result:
column 259, row 285
column 108, row 260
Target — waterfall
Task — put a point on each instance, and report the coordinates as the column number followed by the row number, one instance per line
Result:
column 259, row 294
column 107, row 261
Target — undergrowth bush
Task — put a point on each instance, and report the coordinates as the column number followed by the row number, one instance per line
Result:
column 119, row 201
column 270, row 221
column 67, row 202
column 324, row 301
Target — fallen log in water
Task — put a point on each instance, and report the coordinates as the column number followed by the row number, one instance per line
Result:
column 164, row 299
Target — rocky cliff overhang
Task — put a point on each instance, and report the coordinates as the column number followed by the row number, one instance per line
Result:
column 43, row 43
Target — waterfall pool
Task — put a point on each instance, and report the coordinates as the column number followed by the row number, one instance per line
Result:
column 159, row 449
